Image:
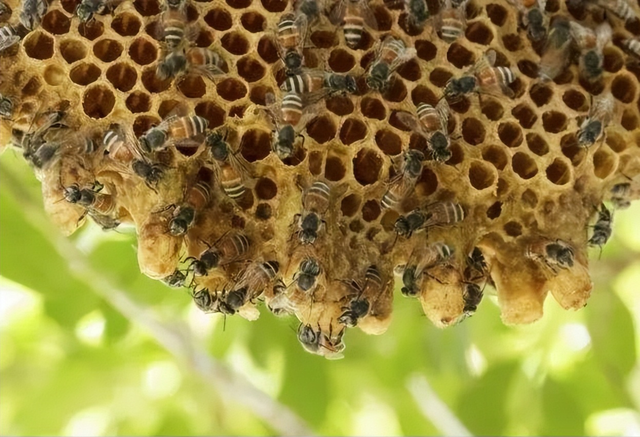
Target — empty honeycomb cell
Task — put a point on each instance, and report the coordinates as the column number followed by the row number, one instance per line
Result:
column 122, row 76
column 341, row 61
column 315, row 163
column 525, row 115
column 537, row 144
column 237, row 111
column 153, row 83
column 191, row 12
column 407, row 27
column 268, row 50
column 219, row 19
column 352, row 130
column 98, row 101
column 428, row 183
column 371, row 210
column 258, row 94
column 422, row 94
column 479, row 33
column 629, row 120
column 494, row 211
column 524, row 166
column 425, row 50
column 235, row 43
column 575, row 100
column 473, row 131
column 91, row 30
column 212, row 112
column 56, row 22
column 396, row 122
column 250, row 69
column 275, row 6
column 492, row 109
column 204, row 39
column 529, row 198
column 384, row 19
column 311, row 59
column 616, row 142
column 481, row 176
column 457, row 154
column 253, row 22
column 565, row 77
column 334, row 169
column 593, row 88
column 540, row 94
column 255, row 145
column 460, row 56
column 69, row 5
column 350, row 204
column 410, row 70
column 554, row 121
column 396, row 92
column 373, row 108
column 388, row 220
column 613, row 60
column 512, row 42
column 266, row 189
column 339, row 105
column 604, row 162
column 38, row 45
column 510, row 134
column 356, row 226
column 558, row 172
column 571, row 149
column 155, row 30
column 126, row 24
column 229, row 89
column 321, row 129
column 147, row 8
column 72, row 50
column 84, row 73
column 138, row 101
column 623, row 88
column 324, row 39
column 496, row 156
column 263, row 211
column 439, row 76
column 497, row 14
column 108, row 50
column 54, row 75
column 366, row 167
column 513, row 229
column 528, row 68
column 388, row 142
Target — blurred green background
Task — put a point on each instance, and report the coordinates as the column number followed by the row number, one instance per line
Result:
column 103, row 350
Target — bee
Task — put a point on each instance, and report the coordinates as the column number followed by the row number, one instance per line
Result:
column 228, row 249
column 353, row 15
column 404, row 183
column 291, row 37
column 176, row 280
column 35, row 148
column 602, row 229
column 87, row 8
column 432, row 124
column 309, row 8
column 600, row 115
column 8, row 36
column 175, row 129
column 206, row 301
column 421, row 259
column 591, row 43
column 232, row 168
column 476, row 266
column 315, row 203
column 319, row 82
column 620, row 8
column 91, row 199
column 251, row 284
column 359, row 305
column 451, row 21
column 436, row 214
column 172, row 65
column 307, row 275
column 472, row 295
column 280, row 304
column 6, row 107
column 481, row 77
column 391, row 54
column 197, row 197
column 285, row 134
column 4, row 10
column 533, row 18
column 195, row 60
column 553, row 254
column 623, row 193
column 632, row 46
column 174, row 28
column 32, row 13
column 317, row 342
column 417, row 13
column 555, row 54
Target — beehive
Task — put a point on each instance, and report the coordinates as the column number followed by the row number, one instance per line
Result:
column 516, row 167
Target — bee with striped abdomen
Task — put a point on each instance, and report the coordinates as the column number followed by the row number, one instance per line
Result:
column 315, row 203
column 250, row 285
column 285, row 116
column 554, row 255
column 451, row 21
column 228, row 249
column 432, row 124
column 353, row 16
column 403, row 184
column 602, row 229
column 319, row 82
column 174, row 130
column 555, row 54
column 290, row 39
column 600, row 115
column 232, row 171
column 421, row 259
column 197, row 197
column 591, row 42
column 391, row 54
column 436, row 214
column 306, row 277
column 359, row 302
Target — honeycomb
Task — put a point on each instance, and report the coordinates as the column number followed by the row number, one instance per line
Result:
column 512, row 205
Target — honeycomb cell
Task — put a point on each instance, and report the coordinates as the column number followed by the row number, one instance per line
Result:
column 510, row 134
column 321, row 129
column 122, row 76
column 616, row 142
column 366, row 167
column 528, row 68
column 84, row 73
column 492, row 109
column 479, row 33
column 623, row 88
column 529, row 198
column 155, row 30
column 566, row 77
column 38, row 45
column 460, row 56
column 263, row 211
column 219, row 19
column 497, row 14
column 481, row 176
column 554, row 121
column 473, row 131
column 266, row 189
column 152, row 83
column 253, row 22
column 571, row 149
column 212, row 112
column 422, row 94
column 352, row 130
column 107, row 50
column 324, row 39
column 383, row 18
column 388, row 142
column 126, row 24
column 604, row 163
column 513, row 229
column 72, row 50
column 339, row 105
column 246, row 201
column 396, row 92
column 334, row 169
column 138, row 101
column 575, row 100
column 98, row 101
column 255, row 145
column 268, row 50
column 540, row 94
column 69, row 5
column 410, row 70
column 147, row 8
column 496, row 156
column 371, row 210
column 350, row 205
column 439, row 77
column 427, row 184
column 494, row 211
column 32, row 87
column 54, row 75
column 341, row 61
column 56, row 23
column 524, row 166
column 258, row 94
column 237, row 111
column 457, row 154
column 235, row 43
column 512, row 42
column 91, row 30
column 629, row 120
column 373, row 108
column 537, row 144
column 356, row 226
column 425, row 50
column 229, row 89
column 275, row 6
column 315, row 163
column 558, row 172
column 204, row 39
column 613, row 60
column 250, row 69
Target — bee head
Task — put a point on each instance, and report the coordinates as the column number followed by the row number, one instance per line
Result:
column 409, row 291
column 236, row 298
column 308, row 338
column 308, row 236
column 293, row 60
column 72, row 194
column 178, row 226
column 348, row 319
column 204, row 300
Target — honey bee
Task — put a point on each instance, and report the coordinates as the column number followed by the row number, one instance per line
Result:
column 359, row 304
column 228, row 249
column 417, row 13
column 32, row 13
column 6, row 107
column 91, row 199
column 35, row 148
column 319, row 82
column 476, row 266
column 432, row 124
column 250, row 286
column 482, row 77
column 315, row 203
column 472, row 296
column 173, row 130
column 632, row 46
column 602, row 229
column 195, row 60
column 421, row 259
column 87, row 8
column 552, row 254
column 620, row 8
column 8, row 36
column 280, row 305
column 307, row 275
column 206, row 301
column 391, row 54
column 291, row 37
column 404, row 183
column 436, row 214
column 591, row 43
column 197, row 197
column 600, row 115
column 353, row 16
column 533, row 18
column 622, row 194
column 317, row 342
column 4, row 10
column 451, row 22
column 555, row 54
column 285, row 134
column 309, row 8
column 174, row 28
column 232, row 169
column 176, row 280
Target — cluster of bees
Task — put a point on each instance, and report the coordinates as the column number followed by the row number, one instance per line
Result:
column 72, row 161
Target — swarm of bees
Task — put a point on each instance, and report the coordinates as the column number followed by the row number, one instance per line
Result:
column 251, row 207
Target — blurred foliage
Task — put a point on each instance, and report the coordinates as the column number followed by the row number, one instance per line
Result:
column 71, row 364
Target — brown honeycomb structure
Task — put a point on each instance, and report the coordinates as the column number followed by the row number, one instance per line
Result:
column 516, row 167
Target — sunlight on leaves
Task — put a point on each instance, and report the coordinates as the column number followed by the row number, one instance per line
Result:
column 618, row 422
column 94, row 421
column 90, row 328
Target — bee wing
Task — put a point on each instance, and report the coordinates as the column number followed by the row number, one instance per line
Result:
column 406, row 55
column 131, row 142
column 412, row 122
column 603, row 35
column 583, row 36
column 271, row 108
column 302, row 25
column 442, row 108
column 8, row 42
column 518, row 4
column 367, row 14
column 483, row 63
column 336, row 15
